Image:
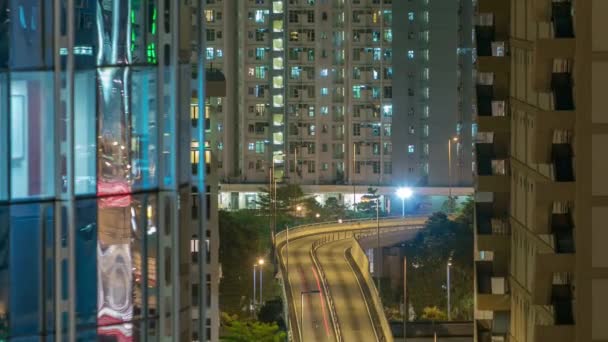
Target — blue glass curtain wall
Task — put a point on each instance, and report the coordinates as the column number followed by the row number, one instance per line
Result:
column 127, row 127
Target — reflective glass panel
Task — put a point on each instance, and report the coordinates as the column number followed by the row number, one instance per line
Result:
column 32, row 135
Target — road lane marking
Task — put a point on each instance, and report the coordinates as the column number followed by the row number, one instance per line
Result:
column 322, row 302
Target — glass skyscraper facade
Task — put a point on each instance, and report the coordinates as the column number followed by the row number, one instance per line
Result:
column 95, row 169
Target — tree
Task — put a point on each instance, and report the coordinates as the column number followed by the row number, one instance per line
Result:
column 427, row 256
column 368, row 202
column 252, row 331
column 334, row 209
column 272, row 312
column 244, row 236
column 433, row 313
column 449, row 205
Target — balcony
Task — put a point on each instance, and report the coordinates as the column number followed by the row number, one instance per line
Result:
column 492, row 168
column 547, row 265
column 484, row 36
column 562, row 229
column 561, row 87
column 554, row 333
column 561, row 309
column 496, row 60
column 545, row 124
column 551, row 66
column 563, row 162
column 559, row 13
column 492, row 290
column 494, row 330
column 493, row 228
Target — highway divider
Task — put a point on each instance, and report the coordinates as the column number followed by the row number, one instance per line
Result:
column 358, row 261
column 328, row 297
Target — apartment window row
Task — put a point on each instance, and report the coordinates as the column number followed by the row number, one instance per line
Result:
column 297, row 35
column 260, row 109
column 259, row 90
column 257, row 146
column 375, row 166
column 212, row 16
column 212, row 34
column 361, row 34
column 259, row 35
column 376, row 53
column 358, row 91
column 374, row 127
column 373, row 15
column 373, row 72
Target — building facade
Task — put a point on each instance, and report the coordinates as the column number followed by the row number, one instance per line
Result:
column 95, row 170
column 433, row 93
column 314, row 95
column 541, row 265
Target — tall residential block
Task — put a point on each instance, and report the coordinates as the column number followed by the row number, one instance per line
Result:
column 338, row 93
column 541, row 264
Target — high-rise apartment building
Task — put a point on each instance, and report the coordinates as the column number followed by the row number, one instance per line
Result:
column 541, row 262
column 205, row 279
column 95, row 170
column 311, row 92
column 433, row 92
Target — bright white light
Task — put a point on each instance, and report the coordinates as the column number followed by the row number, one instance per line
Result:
column 340, row 221
column 261, row 262
column 404, row 193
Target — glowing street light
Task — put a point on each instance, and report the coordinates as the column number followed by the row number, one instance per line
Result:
column 404, row 193
column 339, row 220
column 317, row 215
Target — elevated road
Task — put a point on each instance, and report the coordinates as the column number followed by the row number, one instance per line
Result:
column 327, row 299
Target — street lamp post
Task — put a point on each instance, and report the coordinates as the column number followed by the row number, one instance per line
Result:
column 404, row 193
column 455, row 139
column 449, row 266
column 261, row 263
column 405, row 311
column 254, row 284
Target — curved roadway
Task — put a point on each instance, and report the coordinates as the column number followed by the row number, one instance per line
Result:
column 351, row 308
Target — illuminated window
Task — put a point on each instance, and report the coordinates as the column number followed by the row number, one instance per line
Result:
column 277, row 6
column 209, row 16
column 277, row 44
column 388, row 35
column 277, row 26
column 277, row 63
column 277, row 101
column 357, row 91
column 387, row 110
column 410, row 148
column 209, row 53
column 324, row 73
column 251, row 146
column 260, row 53
column 194, row 112
column 259, row 146
column 260, row 16
column 410, row 16
column 277, row 81
column 410, row 54
column 324, row 91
